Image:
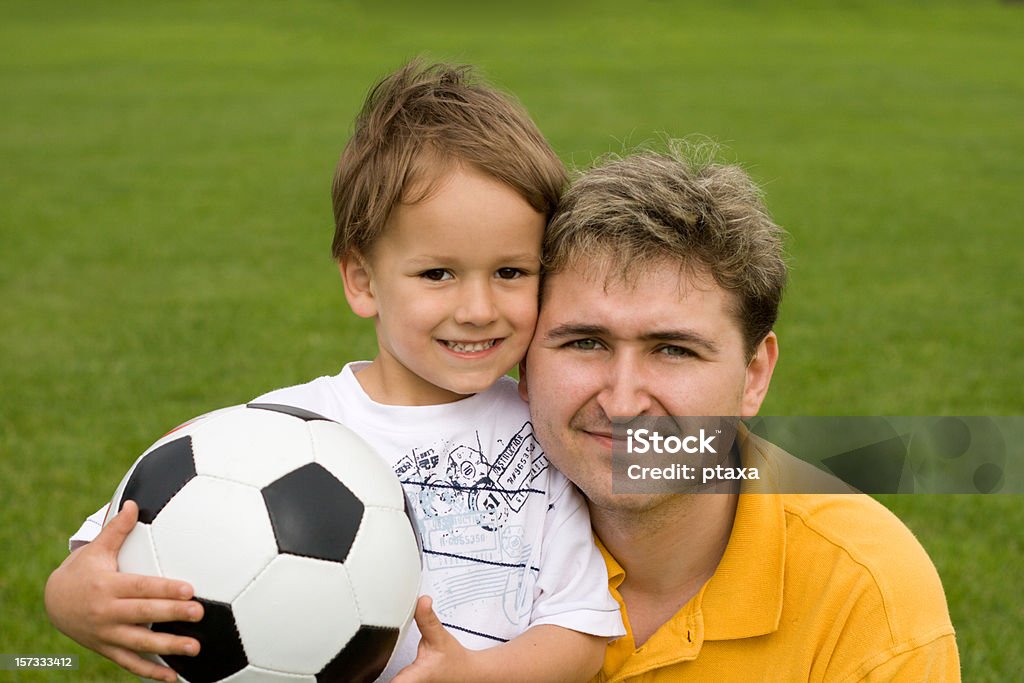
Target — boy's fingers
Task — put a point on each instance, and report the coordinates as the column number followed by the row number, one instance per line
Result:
column 140, row 666
column 149, row 611
column 140, row 639
column 112, row 535
column 430, row 626
column 152, row 587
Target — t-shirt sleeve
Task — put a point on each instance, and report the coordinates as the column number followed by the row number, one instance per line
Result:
column 936, row 661
column 89, row 530
column 572, row 585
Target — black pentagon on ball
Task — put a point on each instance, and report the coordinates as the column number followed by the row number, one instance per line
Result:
column 301, row 413
column 159, row 476
column 313, row 513
column 220, row 647
column 363, row 658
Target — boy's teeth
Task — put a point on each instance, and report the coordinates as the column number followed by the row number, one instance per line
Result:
column 470, row 347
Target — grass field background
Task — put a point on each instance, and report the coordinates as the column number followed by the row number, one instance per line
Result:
column 165, row 224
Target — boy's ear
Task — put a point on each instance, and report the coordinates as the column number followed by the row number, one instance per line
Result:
column 358, row 281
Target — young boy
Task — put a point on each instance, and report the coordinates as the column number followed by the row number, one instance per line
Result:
column 440, row 202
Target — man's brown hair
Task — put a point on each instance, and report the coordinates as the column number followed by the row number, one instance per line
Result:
column 417, row 123
column 630, row 213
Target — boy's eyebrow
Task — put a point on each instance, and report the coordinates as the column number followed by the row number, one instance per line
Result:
column 524, row 256
column 521, row 256
column 679, row 336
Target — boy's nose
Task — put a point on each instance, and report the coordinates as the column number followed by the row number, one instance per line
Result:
column 476, row 305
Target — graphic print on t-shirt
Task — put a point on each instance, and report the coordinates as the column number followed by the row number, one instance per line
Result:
column 463, row 497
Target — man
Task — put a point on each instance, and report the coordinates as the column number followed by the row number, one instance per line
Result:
column 663, row 284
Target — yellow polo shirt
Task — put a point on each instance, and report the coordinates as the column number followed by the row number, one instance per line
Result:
column 812, row 587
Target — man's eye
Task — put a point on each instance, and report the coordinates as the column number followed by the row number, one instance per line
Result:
column 510, row 273
column 676, row 351
column 584, row 344
column 436, row 274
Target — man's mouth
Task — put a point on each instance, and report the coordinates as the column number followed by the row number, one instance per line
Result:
column 607, row 439
column 469, row 346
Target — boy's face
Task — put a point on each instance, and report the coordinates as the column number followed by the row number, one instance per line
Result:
column 452, row 284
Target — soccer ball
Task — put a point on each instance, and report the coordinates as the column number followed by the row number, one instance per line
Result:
column 294, row 535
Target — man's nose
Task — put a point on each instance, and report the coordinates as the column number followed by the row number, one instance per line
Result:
column 476, row 304
column 626, row 392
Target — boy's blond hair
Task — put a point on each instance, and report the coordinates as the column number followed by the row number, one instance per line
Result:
column 419, row 122
column 630, row 213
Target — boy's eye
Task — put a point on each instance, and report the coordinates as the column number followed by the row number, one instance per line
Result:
column 509, row 273
column 436, row 274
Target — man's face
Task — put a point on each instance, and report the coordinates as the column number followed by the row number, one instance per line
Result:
column 665, row 344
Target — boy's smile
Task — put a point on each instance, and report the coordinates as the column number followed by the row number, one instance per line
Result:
column 470, row 349
column 452, row 284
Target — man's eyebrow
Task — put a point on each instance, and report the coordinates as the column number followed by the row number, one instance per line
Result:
column 674, row 336
column 682, row 336
column 575, row 330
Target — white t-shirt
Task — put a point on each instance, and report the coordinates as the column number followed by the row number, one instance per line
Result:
column 506, row 537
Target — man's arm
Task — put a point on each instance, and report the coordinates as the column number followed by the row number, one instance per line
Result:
column 106, row 611
column 543, row 654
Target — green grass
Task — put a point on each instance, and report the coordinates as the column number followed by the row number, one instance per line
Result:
column 165, row 223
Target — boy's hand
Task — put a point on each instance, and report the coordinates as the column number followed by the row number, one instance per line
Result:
column 107, row 611
column 542, row 654
column 440, row 657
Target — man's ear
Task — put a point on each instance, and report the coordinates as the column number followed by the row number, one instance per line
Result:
column 523, row 392
column 759, row 375
column 357, row 278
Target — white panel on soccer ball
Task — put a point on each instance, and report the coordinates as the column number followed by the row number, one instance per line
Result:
column 387, row 589
column 137, row 555
column 184, row 429
column 253, row 674
column 216, row 535
column 297, row 595
column 231, row 446
column 356, row 464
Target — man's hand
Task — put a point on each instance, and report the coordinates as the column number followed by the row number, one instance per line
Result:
column 106, row 611
column 439, row 657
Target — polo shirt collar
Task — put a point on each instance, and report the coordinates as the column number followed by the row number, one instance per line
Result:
column 743, row 599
